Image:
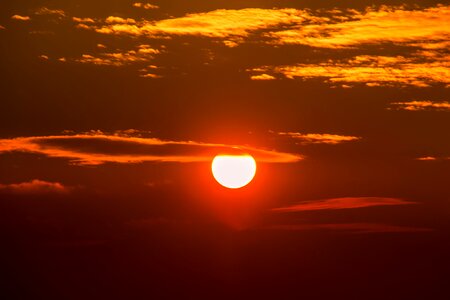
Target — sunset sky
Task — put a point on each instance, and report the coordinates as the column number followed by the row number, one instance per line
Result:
column 112, row 111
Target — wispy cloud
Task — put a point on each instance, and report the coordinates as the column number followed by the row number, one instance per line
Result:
column 342, row 203
column 34, row 187
column 98, row 148
column 143, row 54
column 421, row 105
column 2, row 27
column 52, row 12
column 350, row 228
column 320, row 138
column 21, row 18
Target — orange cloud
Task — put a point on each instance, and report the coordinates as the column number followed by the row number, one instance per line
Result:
column 350, row 228
column 145, row 5
column 342, row 203
column 320, row 138
column 421, row 105
column 21, row 18
column 98, row 148
column 34, row 187
column 2, row 27
column 372, row 71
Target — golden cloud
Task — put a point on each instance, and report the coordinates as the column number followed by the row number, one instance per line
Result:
column 97, row 148
column 320, row 138
column 342, row 203
column 262, row 77
column 421, row 105
column 221, row 23
column 386, row 24
column 34, row 187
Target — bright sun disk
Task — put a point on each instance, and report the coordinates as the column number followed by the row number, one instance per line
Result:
column 233, row 171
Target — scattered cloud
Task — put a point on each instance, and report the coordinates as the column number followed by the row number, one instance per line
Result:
column 372, row 71
column 350, row 228
column 320, row 138
column 43, row 57
column 2, row 27
column 342, row 203
column 21, row 18
column 421, row 105
column 262, row 77
column 145, row 5
column 34, row 187
column 98, row 148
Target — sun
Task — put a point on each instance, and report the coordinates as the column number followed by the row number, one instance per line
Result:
column 233, row 171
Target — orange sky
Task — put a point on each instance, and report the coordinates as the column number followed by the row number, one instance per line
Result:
column 112, row 111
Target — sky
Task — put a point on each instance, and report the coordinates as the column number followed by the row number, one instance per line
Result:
column 112, row 111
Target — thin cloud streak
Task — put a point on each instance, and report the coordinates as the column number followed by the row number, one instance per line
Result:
column 342, row 203
column 99, row 148
column 320, row 138
column 355, row 228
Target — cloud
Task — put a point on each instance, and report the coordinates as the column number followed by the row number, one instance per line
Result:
column 320, row 138
column 83, row 20
column 52, row 12
column 21, row 18
column 342, row 203
column 35, row 187
column 421, row 105
column 262, row 77
column 350, row 228
column 99, row 148
column 143, row 53
column 374, row 26
column 2, row 27
column 232, row 25
column 432, row 158
column 372, row 70
column 145, row 5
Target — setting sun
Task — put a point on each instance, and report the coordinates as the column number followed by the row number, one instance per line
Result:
column 234, row 171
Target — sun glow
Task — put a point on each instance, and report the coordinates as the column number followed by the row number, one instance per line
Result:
column 234, row 171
